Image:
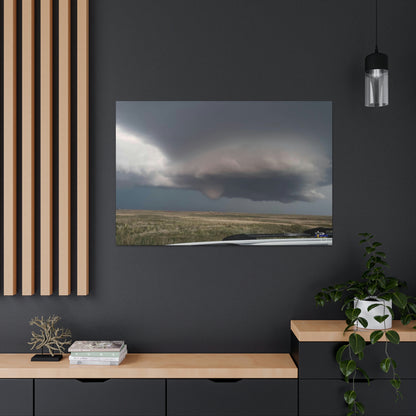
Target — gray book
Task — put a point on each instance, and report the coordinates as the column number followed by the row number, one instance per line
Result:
column 96, row 346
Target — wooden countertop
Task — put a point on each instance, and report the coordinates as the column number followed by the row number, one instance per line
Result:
column 156, row 366
column 327, row 331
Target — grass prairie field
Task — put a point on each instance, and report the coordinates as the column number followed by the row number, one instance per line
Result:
column 145, row 227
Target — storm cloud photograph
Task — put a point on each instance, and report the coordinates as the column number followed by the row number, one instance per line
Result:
column 224, row 173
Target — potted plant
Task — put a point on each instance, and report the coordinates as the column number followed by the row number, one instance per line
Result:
column 368, row 303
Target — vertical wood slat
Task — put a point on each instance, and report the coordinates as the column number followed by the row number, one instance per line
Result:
column 82, row 148
column 64, row 147
column 46, row 149
column 9, row 146
column 28, row 147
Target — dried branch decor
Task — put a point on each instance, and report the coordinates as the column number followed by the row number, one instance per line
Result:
column 50, row 337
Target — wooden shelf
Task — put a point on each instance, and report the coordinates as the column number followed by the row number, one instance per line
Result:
column 156, row 366
column 332, row 331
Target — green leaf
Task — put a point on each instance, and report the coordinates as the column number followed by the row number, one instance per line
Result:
column 319, row 299
column 350, row 397
column 412, row 306
column 339, row 353
column 406, row 319
column 377, row 244
column 385, row 296
column 391, row 285
column 373, row 305
column 353, row 314
column 320, row 302
column 360, row 407
column 391, row 311
column 348, row 327
column 336, row 296
column 385, row 365
column 347, row 367
column 357, row 343
column 393, row 337
column 393, row 363
column 363, row 322
column 364, row 373
column 372, row 289
column 381, row 318
column 375, row 336
column 346, row 303
column 399, row 299
column 395, row 383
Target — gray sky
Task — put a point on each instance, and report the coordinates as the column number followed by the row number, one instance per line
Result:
column 241, row 156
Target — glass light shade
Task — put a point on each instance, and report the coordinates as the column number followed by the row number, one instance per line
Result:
column 376, row 87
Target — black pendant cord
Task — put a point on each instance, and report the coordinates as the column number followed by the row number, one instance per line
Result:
column 376, row 25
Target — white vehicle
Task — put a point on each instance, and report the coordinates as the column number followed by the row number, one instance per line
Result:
column 313, row 237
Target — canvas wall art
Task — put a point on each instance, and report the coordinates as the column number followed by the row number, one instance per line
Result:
column 248, row 173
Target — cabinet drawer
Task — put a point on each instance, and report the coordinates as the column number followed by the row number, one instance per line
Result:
column 16, row 397
column 222, row 397
column 89, row 397
column 317, row 359
column 325, row 398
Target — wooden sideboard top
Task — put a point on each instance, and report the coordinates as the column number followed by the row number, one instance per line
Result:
column 156, row 366
column 333, row 331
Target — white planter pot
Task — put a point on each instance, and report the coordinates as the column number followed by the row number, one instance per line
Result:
column 369, row 315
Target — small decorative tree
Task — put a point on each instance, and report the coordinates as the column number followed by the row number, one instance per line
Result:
column 49, row 337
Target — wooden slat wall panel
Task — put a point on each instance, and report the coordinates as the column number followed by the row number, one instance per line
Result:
column 82, row 148
column 28, row 147
column 64, row 147
column 46, row 148
column 12, row 177
column 9, row 113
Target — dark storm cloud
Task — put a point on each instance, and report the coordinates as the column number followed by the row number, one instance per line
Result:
column 261, row 151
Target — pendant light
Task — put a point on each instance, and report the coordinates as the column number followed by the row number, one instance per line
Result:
column 376, row 75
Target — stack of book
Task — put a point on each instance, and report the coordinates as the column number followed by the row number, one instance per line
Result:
column 97, row 352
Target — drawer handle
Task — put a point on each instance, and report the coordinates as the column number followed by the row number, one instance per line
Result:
column 225, row 380
column 92, row 380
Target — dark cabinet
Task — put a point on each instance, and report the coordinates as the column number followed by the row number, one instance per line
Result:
column 322, row 387
column 16, row 397
column 225, row 397
column 325, row 398
column 92, row 397
column 315, row 358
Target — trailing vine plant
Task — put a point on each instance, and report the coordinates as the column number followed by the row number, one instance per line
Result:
column 377, row 287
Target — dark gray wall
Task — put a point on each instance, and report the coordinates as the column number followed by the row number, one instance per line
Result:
column 241, row 299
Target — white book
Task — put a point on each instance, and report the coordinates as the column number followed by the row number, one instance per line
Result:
column 97, row 360
column 87, row 357
column 85, row 362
